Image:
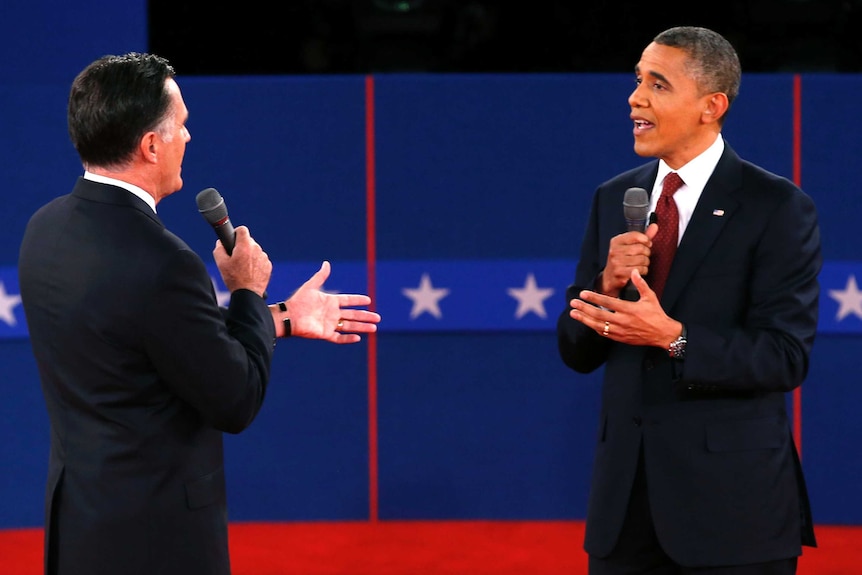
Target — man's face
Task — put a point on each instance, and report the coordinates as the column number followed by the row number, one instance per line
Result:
column 174, row 136
column 667, row 108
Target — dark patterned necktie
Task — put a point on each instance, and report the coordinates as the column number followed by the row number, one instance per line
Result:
column 665, row 241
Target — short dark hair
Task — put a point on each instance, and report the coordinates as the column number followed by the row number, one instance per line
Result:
column 713, row 62
column 115, row 101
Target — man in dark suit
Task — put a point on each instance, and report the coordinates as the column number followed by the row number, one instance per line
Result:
column 695, row 466
column 141, row 370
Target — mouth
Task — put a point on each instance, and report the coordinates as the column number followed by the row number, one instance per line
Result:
column 642, row 125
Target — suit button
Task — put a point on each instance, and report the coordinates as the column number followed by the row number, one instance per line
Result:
column 649, row 364
column 636, row 420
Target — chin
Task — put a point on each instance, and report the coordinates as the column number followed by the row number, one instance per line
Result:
column 639, row 150
column 642, row 150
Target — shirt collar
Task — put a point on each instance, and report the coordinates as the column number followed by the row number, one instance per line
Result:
column 125, row 185
column 697, row 171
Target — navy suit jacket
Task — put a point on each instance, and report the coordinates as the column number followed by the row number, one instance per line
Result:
column 141, row 372
column 724, row 479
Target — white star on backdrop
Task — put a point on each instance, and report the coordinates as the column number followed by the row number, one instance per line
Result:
column 7, row 305
column 426, row 298
column 223, row 297
column 850, row 299
column 531, row 298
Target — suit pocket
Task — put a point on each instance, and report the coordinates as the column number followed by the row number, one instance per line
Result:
column 748, row 434
column 205, row 490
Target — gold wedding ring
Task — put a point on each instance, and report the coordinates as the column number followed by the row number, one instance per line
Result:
column 607, row 328
column 340, row 324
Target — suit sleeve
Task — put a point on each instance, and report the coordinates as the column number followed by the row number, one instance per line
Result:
column 217, row 361
column 581, row 348
column 768, row 344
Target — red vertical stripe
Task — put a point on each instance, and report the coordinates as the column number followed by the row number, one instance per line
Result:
column 371, row 263
column 797, row 178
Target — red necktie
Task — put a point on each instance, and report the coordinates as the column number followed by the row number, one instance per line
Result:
column 665, row 241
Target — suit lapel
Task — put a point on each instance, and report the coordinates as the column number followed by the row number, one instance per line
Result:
column 714, row 209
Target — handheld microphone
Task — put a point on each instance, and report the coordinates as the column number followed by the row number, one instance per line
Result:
column 636, row 209
column 636, row 212
column 212, row 208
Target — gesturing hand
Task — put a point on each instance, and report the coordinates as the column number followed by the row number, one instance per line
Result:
column 315, row 314
column 643, row 322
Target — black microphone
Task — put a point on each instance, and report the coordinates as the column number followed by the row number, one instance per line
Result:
column 212, row 208
column 636, row 212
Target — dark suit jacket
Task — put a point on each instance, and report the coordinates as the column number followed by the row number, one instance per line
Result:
column 724, row 480
column 141, row 373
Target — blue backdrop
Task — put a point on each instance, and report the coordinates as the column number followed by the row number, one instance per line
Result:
column 482, row 183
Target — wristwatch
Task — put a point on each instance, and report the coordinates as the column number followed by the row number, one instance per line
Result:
column 676, row 349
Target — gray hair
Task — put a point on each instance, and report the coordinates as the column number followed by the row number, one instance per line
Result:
column 712, row 60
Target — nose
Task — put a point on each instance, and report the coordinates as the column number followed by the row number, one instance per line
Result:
column 636, row 98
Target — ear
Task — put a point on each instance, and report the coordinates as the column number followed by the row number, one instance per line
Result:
column 716, row 107
column 149, row 147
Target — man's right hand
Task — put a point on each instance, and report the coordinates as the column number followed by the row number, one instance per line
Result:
column 628, row 251
column 247, row 268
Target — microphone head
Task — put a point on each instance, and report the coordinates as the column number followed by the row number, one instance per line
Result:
column 211, row 205
column 636, row 208
column 635, row 204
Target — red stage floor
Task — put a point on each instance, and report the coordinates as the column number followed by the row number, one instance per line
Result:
column 424, row 548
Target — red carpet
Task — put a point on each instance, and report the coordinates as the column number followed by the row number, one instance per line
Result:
column 424, row 548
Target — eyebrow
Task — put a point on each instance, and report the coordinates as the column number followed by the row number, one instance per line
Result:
column 658, row 75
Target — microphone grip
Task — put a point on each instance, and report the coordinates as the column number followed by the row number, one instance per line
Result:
column 629, row 292
column 226, row 234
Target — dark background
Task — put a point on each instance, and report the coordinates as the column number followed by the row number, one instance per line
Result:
column 364, row 36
